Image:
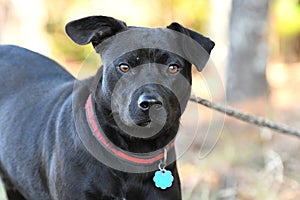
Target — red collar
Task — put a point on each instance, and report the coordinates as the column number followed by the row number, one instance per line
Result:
column 136, row 158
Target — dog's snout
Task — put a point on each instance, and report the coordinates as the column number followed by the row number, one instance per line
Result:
column 145, row 102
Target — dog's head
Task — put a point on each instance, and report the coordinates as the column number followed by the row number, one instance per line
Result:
column 146, row 79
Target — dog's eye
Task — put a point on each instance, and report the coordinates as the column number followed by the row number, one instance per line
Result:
column 173, row 68
column 124, row 68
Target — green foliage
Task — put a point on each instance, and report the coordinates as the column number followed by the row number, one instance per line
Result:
column 287, row 17
column 191, row 13
column 61, row 44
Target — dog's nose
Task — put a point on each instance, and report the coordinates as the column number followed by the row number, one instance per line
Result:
column 145, row 102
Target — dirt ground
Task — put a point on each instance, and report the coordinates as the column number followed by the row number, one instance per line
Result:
column 247, row 162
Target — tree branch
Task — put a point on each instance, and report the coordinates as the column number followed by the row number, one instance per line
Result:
column 249, row 118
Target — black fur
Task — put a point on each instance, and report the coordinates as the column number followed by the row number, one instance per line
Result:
column 41, row 154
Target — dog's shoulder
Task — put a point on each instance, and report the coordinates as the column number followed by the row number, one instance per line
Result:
column 17, row 59
column 17, row 63
column 25, row 70
column 15, row 54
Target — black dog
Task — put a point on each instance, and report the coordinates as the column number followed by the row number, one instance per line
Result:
column 103, row 137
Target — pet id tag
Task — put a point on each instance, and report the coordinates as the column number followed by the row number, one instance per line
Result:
column 163, row 179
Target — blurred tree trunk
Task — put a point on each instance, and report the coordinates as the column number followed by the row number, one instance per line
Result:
column 4, row 10
column 248, row 51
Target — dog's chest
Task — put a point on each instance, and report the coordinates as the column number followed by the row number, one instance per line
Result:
column 124, row 186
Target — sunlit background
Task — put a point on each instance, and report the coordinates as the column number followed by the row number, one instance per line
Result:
column 248, row 162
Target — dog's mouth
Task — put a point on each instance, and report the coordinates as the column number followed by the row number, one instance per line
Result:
column 144, row 123
column 153, row 118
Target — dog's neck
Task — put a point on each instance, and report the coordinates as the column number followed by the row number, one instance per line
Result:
column 127, row 142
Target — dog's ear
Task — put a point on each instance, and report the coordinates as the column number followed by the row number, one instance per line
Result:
column 93, row 29
column 205, row 42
